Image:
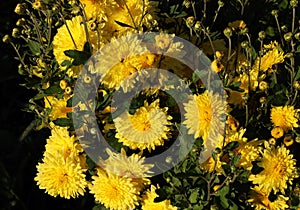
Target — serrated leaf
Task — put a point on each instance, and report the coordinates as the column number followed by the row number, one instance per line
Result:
column 194, row 195
column 34, row 47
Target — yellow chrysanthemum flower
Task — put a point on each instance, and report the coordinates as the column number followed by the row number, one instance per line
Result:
column 149, row 204
column 260, row 200
column 96, row 9
column 285, row 117
column 128, row 166
column 204, row 114
column 130, row 12
column 114, row 192
column 58, row 107
column 61, row 176
column 279, row 169
column 60, row 141
column 272, row 57
column 148, row 127
column 71, row 36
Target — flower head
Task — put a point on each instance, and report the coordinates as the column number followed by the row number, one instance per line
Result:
column 71, row 36
column 148, row 127
column 61, row 176
column 204, row 114
column 279, row 169
column 285, row 117
column 113, row 191
column 58, row 107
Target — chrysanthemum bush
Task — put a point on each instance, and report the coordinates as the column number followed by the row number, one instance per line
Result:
column 254, row 48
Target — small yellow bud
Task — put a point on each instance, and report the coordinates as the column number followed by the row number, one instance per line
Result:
column 263, row 85
column 63, row 84
column 20, row 9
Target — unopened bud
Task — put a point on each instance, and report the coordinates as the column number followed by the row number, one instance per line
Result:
column 294, row 3
column 274, row 13
column 21, row 22
column 262, row 35
column 197, row 25
column 15, row 33
column 263, row 85
column 244, row 44
column 288, row 36
column 6, row 39
column 297, row 36
column 20, row 9
column 220, row 3
column 227, row 32
column 297, row 85
column 187, row 3
column 190, row 21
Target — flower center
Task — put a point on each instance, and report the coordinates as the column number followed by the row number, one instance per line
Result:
column 140, row 121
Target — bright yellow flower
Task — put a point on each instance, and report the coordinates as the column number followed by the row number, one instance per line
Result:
column 285, row 117
column 58, row 107
column 272, row 57
column 149, row 204
column 60, row 141
column 148, row 127
column 204, row 114
column 73, row 40
column 61, row 176
column 114, row 192
column 260, row 200
column 279, row 169
column 130, row 12
column 95, row 9
column 277, row 132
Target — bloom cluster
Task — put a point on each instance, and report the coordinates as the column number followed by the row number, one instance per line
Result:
column 235, row 131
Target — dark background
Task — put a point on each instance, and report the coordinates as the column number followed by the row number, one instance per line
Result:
column 18, row 159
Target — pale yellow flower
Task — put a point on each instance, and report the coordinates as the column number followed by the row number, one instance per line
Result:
column 285, row 117
column 114, row 192
column 148, row 127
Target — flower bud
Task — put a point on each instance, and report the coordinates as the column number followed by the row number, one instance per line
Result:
column 288, row 36
column 274, row 13
column 187, row 3
column 6, row 39
column 63, row 84
column 294, row 3
column 20, row 9
column 262, row 35
column 244, row 44
column 190, row 21
column 297, row 85
column 197, row 25
column 227, row 32
column 297, row 36
column 220, row 3
column 21, row 22
column 263, row 85
column 15, row 33
column 284, row 28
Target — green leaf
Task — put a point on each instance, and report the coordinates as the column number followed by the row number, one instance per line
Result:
column 194, row 195
column 283, row 5
column 54, row 89
column 297, row 76
column 63, row 122
column 34, row 47
column 222, row 193
column 123, row 24
column 79, row 57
